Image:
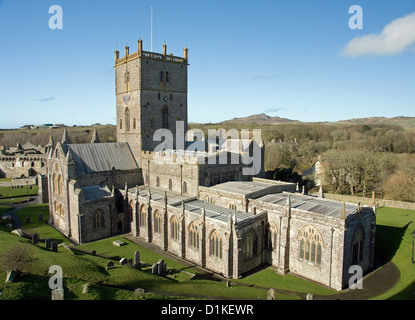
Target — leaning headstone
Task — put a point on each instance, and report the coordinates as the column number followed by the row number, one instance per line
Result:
column 309, row 296
column 123, row 261
column 18, row 232
column 57, row 294
column 271, row 294
column 48, row 243
column 110, row 265
column 54, row 246
column 228, row 283
column 85, row 288
column 35, row 238
column 136, row 262
column 10, row 276
column 139, row 292
column 93, row 252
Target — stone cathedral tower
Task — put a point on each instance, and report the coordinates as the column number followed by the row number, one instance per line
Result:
column 151, row 93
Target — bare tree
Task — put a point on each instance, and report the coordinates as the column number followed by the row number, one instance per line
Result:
column 18, row 257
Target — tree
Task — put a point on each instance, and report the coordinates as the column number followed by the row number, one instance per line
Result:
column 18, row 257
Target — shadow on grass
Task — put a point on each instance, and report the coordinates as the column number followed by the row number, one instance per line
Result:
column 388, row 241
column 409, row 291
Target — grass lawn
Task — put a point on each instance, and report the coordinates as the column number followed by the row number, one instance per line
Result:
column 4, row 209
column 9, row 192
column 394, row 229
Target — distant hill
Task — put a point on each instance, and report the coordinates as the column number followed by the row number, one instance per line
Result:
column 260, row 119
column 264, row 119
column 404, row 122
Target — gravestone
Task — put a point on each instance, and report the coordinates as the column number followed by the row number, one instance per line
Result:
column 118, row 243
column 123, row 261
column 48, row 243
column 139, row 292
column 228, row 283
column 271, row 294
column 85, row 288
column 136, row 262
column 10, row 276
column 155, row 269
column 54, row 246
column 161, row 267
column 309, row 296
column 57, row 294
column 35, row 238
column 18, row 232
column 27, row 220
column 94, row 253
column 40, row 217
column 110, row 265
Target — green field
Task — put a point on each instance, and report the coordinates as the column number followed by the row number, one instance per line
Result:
column 393, row 241
column 9, row 192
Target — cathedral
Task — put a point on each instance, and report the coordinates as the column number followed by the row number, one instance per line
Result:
column 197, row 207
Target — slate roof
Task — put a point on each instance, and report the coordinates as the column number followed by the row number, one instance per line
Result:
column 96, row 157
column 193, row 205
column 245, row 188
column 216, row 212
column 311, row 204
column 95, row 192
column 158, row 195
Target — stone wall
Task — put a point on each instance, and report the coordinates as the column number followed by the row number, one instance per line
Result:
column 369, row 201
column 18, row 166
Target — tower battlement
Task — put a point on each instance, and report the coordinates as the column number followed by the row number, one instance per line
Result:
column 140, row 53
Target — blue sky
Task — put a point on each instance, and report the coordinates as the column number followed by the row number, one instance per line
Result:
column 285, row 58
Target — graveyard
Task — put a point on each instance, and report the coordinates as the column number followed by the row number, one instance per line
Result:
column 121, row 269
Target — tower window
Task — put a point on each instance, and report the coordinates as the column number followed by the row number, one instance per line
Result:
column 134, row 124
column 161, row 76
column 127, row 119
column 120, row 124
column 158, row 96
column 167, row 76
column 171, row 97
column 165, row 117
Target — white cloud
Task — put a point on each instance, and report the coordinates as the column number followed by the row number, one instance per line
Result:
column 395, row 38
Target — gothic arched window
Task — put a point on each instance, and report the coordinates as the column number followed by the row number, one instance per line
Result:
column 311, row 244
column 184, row 187
column 357, row 245
column 60, row 185
column 99, row 219
column 157, row 222
column 250, row 245
column 215, row 244
column 174, row 228
column 193, row 236
column 143, row 216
